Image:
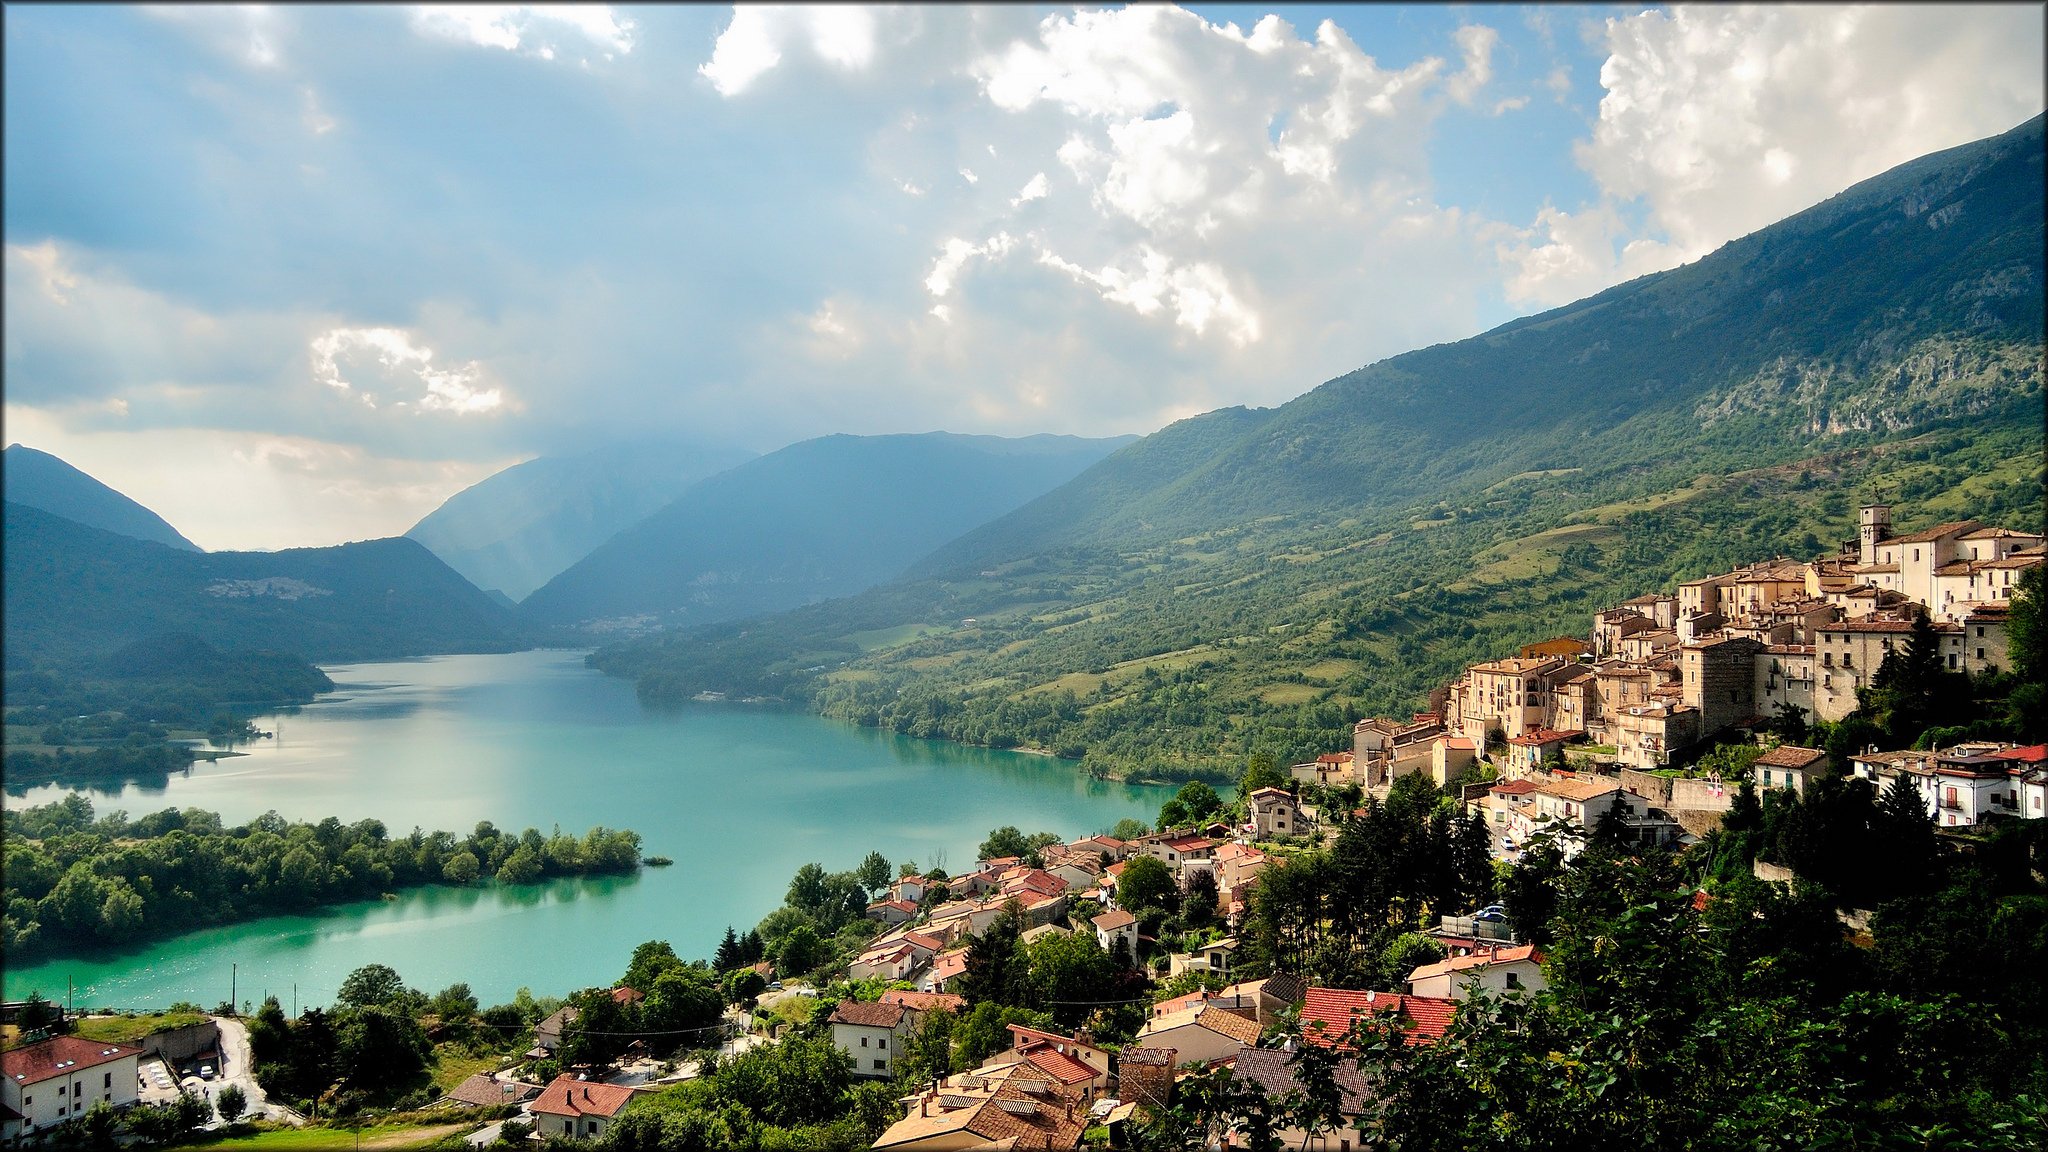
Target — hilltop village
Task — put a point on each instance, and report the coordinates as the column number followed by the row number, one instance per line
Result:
column 1230, row 976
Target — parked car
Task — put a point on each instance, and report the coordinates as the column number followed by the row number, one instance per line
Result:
column 206, row 1071
column 1491, row 914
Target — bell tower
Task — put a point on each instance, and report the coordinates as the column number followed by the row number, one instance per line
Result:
column 1877, row 528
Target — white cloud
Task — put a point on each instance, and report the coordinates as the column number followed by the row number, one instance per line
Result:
column 396, row 362
column 318, row 122
column 1722, row 120
column 1476, row 43
column 1034, row 189
column 755, row 40
column 534, row 29
column 968, row 175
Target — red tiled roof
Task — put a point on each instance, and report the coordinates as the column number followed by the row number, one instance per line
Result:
column 925, row 1001
column 568, row 1096
column 625, row 995
column 1514, row 788
column 1790, row 756
column 1113, row 920
column 60, row 1056
column 1544, row 736
column 1326, row 1014
column 1477, row 960
column 867, row 1015
column 1059, row 1065
column 1930, row 535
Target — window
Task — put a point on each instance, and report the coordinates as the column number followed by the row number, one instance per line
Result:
column 881, row 1065
column 1980, row 632
column 110, row 1080
column 590, row 1127
column 883, row 1043
column 863, row 1041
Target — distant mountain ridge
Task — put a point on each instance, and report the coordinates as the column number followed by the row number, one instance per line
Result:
column 73, row 590
column 516, row 529
column 821, row 518
column 40, row 480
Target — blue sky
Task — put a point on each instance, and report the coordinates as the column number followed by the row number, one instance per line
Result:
column 294, row 275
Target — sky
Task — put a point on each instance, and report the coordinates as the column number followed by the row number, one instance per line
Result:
column 294, row 275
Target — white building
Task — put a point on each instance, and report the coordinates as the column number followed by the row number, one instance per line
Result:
column 56, row 1081
column 870, row 1034
column 1498, row 970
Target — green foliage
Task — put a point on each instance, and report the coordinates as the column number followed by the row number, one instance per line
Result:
column 72, row 880
column 231, row 1102
column 1147, row 884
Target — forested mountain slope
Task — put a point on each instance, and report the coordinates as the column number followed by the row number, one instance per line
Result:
column 74, row 590
column 1260, row 578
column 43, row 481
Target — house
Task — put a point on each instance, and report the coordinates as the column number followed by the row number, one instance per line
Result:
column 1449, row 756
column 1962, row 785
column 863, row 1031
column 1328, row 768
column 484, row 1090
column 893, row 957
column 946, row 968
column 1117, row 932
column 1261, row 1000
column 1237, row 865
column 1788, row 766
column 1509, row 696
column 1073, row 1062
column 1327, row 1014
column 547, row 1035
column 1498, row 970
column 909, row 888
column 1217, row 957
column 1145, row 1075
column 1275, row 812
column 1574, row 803
column 54, row 1081
column 1271, row 1070
column 627, row 997
column 1199, row 1034
column 1013, row 1110
column 893, row 911
column 577, row 1109
column 1527, row 752
column 1173, row 848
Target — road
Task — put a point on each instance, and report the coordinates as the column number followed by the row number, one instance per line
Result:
column 237, row 1068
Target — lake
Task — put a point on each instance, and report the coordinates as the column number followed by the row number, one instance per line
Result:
column 740, row 796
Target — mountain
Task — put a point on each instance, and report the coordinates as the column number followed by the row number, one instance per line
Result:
column 515, row 530
column 1886, row 306
column 43, row 481
column 1254, row 580
column 74, row 590
column 821, row 518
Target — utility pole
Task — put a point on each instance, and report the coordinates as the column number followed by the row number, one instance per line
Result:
column 234, row 972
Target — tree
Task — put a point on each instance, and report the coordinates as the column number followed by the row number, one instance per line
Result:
column 1199, row 906
column 1262, row 771
column 1128, row 829
column 1146, row 882
column 462, row 868
column 873, row 872
column 371, row 985
column 928, row 1052
column 1004, row 841
column 801, row 951
column 727, row 957
column 683, row 1007
column 1200, row 800
column 650, row 961
column 231, row 1102
column 997, row 969
column 523, row 866
column 743, row 985
column 1071, row 976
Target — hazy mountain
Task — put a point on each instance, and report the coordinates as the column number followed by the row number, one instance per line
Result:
column 822, row 518
column 1271, row 575
column 43, row 481
column 516, row 529
column 72, row 589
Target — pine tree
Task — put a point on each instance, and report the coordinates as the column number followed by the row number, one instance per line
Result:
column 1905, row 833
column 727, row 957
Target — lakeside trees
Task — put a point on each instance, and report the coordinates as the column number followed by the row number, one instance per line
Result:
column 73, row 879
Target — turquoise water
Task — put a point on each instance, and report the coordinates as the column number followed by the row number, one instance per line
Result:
column 739, row 796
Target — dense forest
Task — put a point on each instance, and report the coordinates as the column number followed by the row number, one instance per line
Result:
column 73, row 880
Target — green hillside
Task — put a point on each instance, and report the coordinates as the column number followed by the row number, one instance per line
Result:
column 825, row 517
column 1257, row 579
column 74, row 591
column 43, row 481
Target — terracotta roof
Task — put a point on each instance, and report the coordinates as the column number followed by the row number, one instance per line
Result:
column 1059, row 1065
column 484, row 1091
column 1326, row 1014
column 1006, row 1118
column 1146, row 1057
column 1544, row 736
column 1477, row 960
column 61, row 1056
column 625, row 995
column 1208, row 1016
column 1579, row 791
column 1273, row 1071
column 925, row 1001
column 1928, row 536
column 867, row 1015
column 1514, row 788
column 1113, row 920
column 1464, row 742
column 1790, row 756
column 568, row 1096
column 1190, row 843
column 949, row 964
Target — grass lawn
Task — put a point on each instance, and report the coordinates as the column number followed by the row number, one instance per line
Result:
column 123, row 1029
column 453, row 1068
column 382, row 1137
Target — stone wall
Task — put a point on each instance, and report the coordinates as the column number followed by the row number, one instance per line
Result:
column 175, row 1044
column 1701, row 795
column 1648, row 784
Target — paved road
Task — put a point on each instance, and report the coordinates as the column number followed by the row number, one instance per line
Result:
column 239, row 1069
